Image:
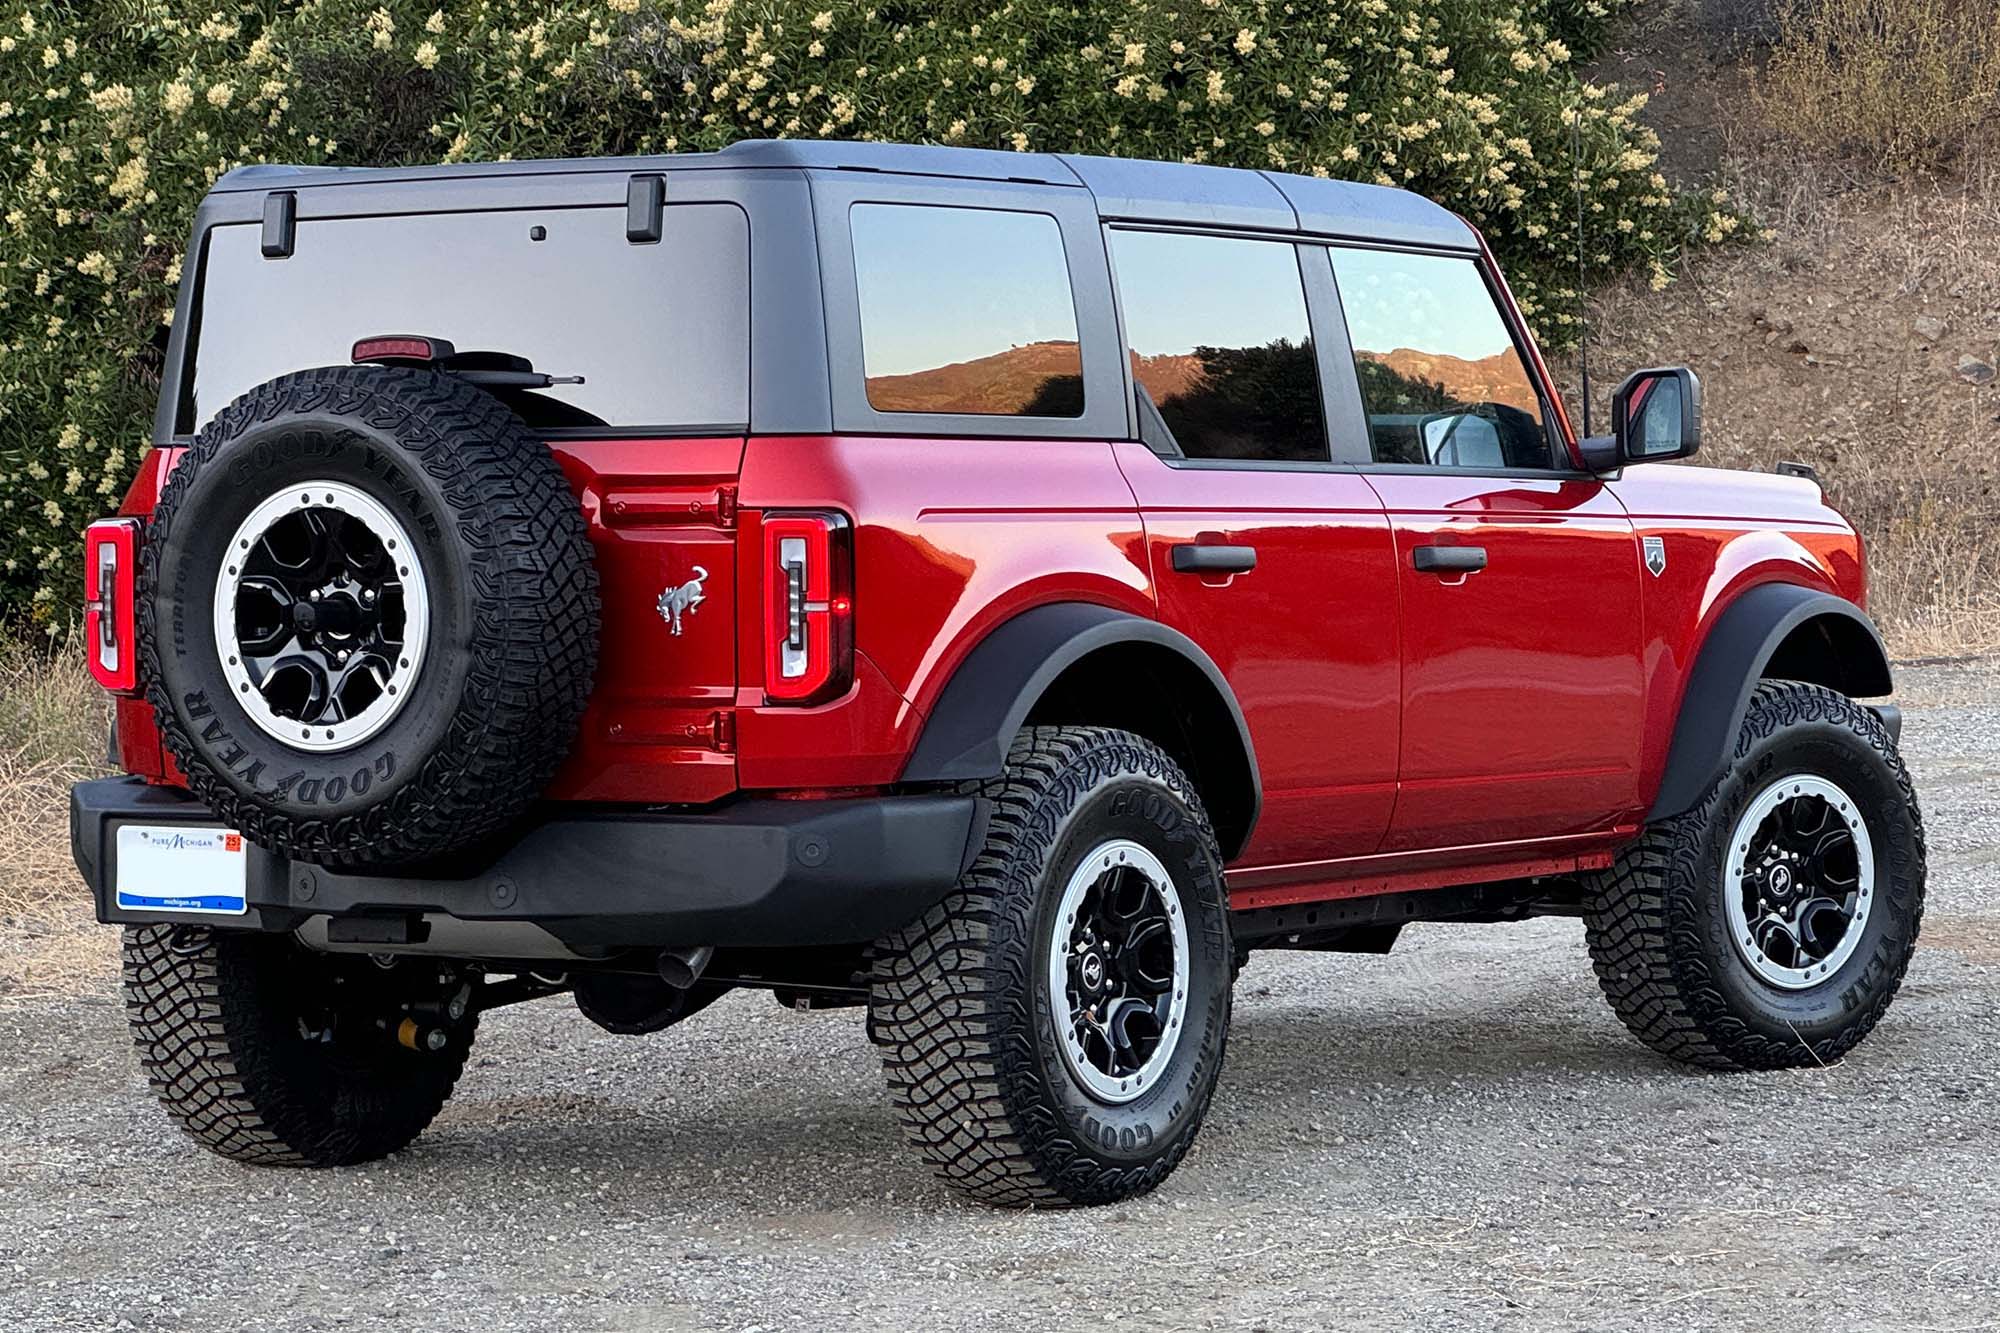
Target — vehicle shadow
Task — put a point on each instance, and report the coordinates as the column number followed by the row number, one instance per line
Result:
column 805, row 1124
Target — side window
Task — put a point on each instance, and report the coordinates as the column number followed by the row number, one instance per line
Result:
column 1221, row 348
column 1441, row 379
column 965, row 310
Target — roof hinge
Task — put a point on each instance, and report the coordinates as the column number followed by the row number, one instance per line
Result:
column 645, row 209
column 281, row 224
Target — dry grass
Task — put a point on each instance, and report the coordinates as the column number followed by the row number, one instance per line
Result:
column 1838, row 343
column 1905, row 81
column 53, row 721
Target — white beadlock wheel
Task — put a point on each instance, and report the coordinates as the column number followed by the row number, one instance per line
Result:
column 321, row 616
column 1800, row 881
column 1117, row 975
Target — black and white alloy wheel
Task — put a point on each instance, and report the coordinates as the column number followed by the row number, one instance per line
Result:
column 1053, row 1029
column 1118, row 971
column 367, row 616
column 1770, row 925
column 321, row 615
column 1800, row 881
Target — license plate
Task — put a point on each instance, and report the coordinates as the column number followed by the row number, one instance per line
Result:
column 180, row 869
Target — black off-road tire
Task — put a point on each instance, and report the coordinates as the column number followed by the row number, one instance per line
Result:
column 512, row 633
column 960, row 1007
column 1655, row 922
column 217, row 1017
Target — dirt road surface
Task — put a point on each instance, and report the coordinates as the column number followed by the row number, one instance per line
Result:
column 1456, row 1136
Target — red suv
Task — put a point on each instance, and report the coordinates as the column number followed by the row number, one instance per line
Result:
column 996, row 590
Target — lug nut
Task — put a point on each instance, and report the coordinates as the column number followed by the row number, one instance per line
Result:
column 435, row 1039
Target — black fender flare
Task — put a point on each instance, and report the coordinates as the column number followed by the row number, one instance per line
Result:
column 1741, row 651
column 989, row 696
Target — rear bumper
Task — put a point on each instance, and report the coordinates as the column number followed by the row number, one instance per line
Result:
column 755, row 873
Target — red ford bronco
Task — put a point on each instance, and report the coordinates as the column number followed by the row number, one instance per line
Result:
column 999, row 591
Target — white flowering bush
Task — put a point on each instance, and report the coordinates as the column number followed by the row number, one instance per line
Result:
column 115, row 117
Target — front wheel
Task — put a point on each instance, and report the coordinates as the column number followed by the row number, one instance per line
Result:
column 1770, row 926
column 1052, row 1031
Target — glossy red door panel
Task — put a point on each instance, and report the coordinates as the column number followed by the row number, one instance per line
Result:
column 1522, row 686
column 662, row 515
column 1307, row 639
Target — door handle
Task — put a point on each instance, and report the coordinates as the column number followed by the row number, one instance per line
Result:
column 1449, row 559
column 1202, row 558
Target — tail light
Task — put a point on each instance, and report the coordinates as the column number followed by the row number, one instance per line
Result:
column 111, row 559
column 808, row 607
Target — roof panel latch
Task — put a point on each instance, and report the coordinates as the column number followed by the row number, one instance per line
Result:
column 281, row 223
column 645, row 208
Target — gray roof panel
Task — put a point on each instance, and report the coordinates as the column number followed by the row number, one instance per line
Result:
column 1372, row 213
column 1127, row 189
column 1134, row 190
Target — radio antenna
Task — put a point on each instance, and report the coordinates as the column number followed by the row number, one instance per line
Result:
column 1582, row 305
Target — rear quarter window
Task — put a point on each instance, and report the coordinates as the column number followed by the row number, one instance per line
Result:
column 965, row 311
column 659, row 332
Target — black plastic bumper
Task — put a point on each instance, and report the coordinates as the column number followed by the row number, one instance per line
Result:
column 755, row 873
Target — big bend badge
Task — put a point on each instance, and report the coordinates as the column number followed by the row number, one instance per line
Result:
column 1655, row 549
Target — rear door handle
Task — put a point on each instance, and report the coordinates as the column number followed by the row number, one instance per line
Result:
column 1449, row 559
column 1202, row 558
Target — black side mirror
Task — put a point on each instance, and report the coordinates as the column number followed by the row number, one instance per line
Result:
column 1655, row 415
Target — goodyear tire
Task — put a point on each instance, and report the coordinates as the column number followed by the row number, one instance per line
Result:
column 368, row 615
column 1770, row 926
column 267, row 1053
column 1053, row 1030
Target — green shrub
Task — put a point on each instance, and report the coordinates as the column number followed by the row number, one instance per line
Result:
column 116, row 115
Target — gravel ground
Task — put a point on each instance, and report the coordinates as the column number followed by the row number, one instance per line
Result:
column 1459, row 1135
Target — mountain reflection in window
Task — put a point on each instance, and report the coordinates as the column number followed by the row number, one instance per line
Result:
column 1441, row 379
column 1221, row 344
column 965, row 311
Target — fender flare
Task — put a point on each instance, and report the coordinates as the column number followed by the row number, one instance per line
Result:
column 1734, row 659
column 989, row 696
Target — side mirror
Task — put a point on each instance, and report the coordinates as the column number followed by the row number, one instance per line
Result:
column 1461, row 439
column 1655, row 415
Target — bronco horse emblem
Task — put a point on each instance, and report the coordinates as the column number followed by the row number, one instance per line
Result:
column 676, row 602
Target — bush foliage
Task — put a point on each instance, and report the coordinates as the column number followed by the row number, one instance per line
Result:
column 115, row 115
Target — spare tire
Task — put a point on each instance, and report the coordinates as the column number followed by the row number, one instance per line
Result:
column 368, row 615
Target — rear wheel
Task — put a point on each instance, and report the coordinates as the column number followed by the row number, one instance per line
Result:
column 1771, row 925
column 1052, row 1031
column 266, row 1052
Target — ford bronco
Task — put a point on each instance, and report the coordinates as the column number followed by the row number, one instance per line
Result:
column 997, row 591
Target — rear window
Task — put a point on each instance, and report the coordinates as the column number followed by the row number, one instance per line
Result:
column 965, row 310
column 660, row 333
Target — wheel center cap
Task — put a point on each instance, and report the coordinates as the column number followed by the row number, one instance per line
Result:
column 1092, row 972
column 1780, row 879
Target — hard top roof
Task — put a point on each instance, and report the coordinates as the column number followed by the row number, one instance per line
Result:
column 1125, row 189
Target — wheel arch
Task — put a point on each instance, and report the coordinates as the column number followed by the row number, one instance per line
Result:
column 1774, row 631
column 1075, row 662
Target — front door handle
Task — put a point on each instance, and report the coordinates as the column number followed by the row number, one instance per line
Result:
column 1203, row 558
column 1449, row 559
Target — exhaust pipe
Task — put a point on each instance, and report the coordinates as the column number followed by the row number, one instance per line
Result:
column 681, row 968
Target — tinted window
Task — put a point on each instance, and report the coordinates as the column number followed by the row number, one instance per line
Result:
column 1441, row 379
column 965, row 310
column 1221, row 347
column 660, row 333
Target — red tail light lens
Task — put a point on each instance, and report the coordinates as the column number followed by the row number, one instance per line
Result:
column 111, row 562
column 808, row 607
